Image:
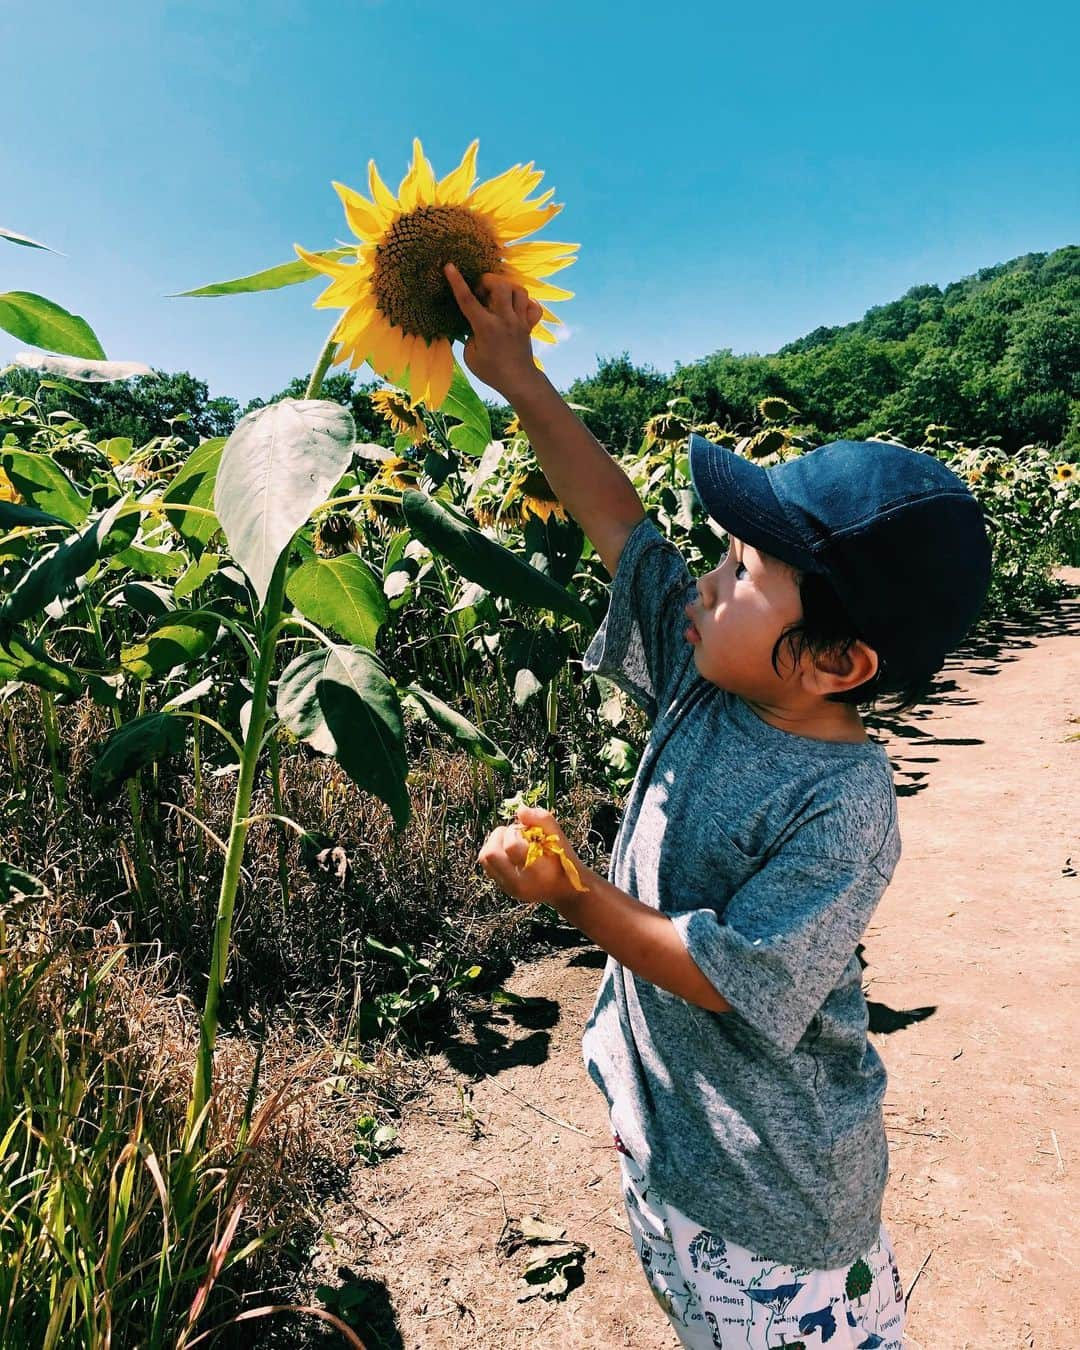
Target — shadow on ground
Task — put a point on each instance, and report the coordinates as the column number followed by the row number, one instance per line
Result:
column 993, row 646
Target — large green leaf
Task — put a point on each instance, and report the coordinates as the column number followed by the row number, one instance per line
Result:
column 132, row 747
column 464, row 403
column 42, row 323
column 81, row 368
column 340, row 593
column 340, row 701
column 55, row 575
column 276, row 467
column 271, row 279
column 463, row 731
column 29, row 664
column 482, row 560
column 194, row 486
column 44, row 484
column 175, row 641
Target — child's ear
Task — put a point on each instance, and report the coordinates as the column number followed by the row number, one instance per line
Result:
column 834, row 671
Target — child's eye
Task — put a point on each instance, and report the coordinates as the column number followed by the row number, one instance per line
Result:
column 740, row 567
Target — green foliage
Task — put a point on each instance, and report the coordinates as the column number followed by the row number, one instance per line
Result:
column 995, row 356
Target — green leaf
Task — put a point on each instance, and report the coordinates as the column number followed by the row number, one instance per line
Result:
column 42, row 323
column 81, row 368
column 199, row 571
column 55, row 575
column 135, row 746
column 150, row 562
column 271, row 279
column 24, row 239
column 276, row 467
column 340, row 701
column 45, row 485
column 193, row 485
column 340, row 593
column 463, row 731
column 26, row 663
column 464, row 403
column 482, row 560
column 176, row 641
column 13, row 514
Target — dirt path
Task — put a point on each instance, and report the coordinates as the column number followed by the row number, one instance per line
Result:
column 969, row 971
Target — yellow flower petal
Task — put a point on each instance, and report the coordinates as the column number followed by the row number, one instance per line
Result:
column 418, row 186
column 365, row 219
column 457, row 184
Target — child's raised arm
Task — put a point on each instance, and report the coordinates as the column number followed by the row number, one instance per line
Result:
column 582, row 474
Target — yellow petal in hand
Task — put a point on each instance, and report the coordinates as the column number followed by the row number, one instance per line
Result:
column 547, row 845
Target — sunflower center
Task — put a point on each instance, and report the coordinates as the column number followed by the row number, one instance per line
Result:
column 409, row 285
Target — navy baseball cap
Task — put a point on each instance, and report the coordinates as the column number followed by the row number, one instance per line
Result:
column 900, row 537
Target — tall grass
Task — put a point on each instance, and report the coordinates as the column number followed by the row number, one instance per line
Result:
column 100, row 1245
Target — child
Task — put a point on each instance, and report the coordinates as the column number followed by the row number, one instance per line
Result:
column 729, row 1035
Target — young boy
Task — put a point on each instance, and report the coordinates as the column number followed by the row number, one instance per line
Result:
column 729, row 1035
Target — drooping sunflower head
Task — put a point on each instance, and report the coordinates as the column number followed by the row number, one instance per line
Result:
column 336, row 534
column 400, row 314
column 775, row 409
column 666, row 428
column 395, row 409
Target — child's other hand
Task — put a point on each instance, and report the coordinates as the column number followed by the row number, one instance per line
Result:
column 500, row 349
column 549, row 879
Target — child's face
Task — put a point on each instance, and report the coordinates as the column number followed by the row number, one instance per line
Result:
column 741, row 608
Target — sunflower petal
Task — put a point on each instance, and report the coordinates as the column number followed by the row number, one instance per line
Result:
column 365, row 219
column 418, row 185
column 381, row 194
column 538, row 290
column 442, row 372
column 331, row 267
column 457, row 184
column 544, row 334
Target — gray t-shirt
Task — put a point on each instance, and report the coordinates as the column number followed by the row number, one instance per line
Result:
column 769, row 851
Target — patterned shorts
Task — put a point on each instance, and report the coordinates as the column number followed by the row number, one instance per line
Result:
column 719, row 1296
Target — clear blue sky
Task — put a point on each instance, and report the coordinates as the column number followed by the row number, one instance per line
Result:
column 736, row 175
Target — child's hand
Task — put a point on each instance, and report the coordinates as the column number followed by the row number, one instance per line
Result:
column 500, row 350
column 549, row 872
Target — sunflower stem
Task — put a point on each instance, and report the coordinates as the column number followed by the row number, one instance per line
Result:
column 219, row 958
column 326, row 357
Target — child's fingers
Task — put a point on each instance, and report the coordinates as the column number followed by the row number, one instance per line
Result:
column 534, row 313
column 528, row 816
column 498, row 292
column 469, row 305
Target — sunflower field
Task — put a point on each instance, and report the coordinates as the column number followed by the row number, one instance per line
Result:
column 262, row 698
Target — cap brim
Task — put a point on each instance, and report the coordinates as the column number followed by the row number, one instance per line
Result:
column 740, row 497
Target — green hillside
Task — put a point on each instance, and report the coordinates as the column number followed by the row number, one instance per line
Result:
column 995, row 356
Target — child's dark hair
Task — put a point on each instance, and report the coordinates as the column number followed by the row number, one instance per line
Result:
column 826, row 627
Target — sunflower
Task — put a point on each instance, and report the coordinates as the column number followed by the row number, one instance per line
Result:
column 666, row 428
column 776, row 409
column 400, row 314
column 8, row 491
column 1065, row 473
column 394, row 408
column 336, row 534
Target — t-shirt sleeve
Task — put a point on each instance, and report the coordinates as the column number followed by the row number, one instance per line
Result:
column 784, row 939
column 640, row 645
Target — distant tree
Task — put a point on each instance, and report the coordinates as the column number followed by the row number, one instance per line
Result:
column 619, row 398
column 340, row 386
column 140, row 408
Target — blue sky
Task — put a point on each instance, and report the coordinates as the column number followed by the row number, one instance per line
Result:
column 736, row 175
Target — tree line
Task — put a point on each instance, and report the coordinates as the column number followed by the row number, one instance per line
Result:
column 995, row 357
